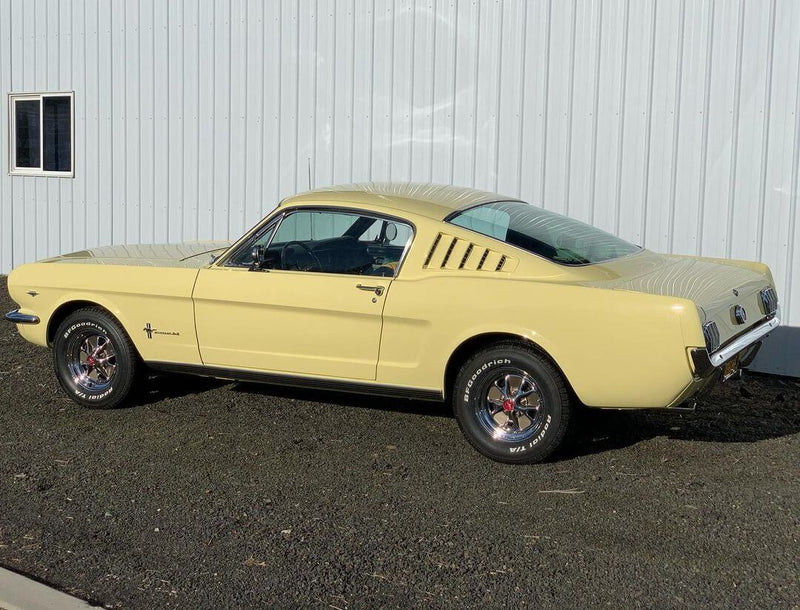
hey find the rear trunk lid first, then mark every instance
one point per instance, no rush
(719, 289)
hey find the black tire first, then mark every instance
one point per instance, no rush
(525, 424)
(102, 381)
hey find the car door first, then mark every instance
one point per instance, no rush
(311, 306)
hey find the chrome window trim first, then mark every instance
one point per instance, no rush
(285, 212)
(452, 215)
(250, 238)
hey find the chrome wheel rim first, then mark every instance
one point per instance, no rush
(512, 409)
(92, 361)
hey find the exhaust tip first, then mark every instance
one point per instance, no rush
(686, 407)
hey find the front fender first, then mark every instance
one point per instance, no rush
(137, 296)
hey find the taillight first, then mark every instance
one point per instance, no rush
(711, 333)
(769, 301)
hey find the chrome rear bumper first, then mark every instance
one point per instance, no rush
(21, 318)
(739, 343)
(704, 362)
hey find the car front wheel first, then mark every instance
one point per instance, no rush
(94, 359)
(512, 404)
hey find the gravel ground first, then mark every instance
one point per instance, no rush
(219, 495)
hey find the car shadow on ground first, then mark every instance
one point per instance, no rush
(346, 399)
(752, 409)
(166, 386)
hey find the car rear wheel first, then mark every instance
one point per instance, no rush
(94, 359)
(512, 404)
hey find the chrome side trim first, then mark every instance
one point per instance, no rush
(299, 381)
(737, 345)
(21, 318)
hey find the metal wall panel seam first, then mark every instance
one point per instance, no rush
(765, 135)
(245, 130)
(546, 101)
(701, 204)
(676, 125)
(646, 155)
(431, 101)
(230, 117)
(411, 93)
(262, 145)
(595, 118)
(198, 138)
(297, 103)
(279, 106)
(6, 183)
(570, 110)
(454, 99)
(735, 130)
(333, 98)
(623, 87)
(390, 122)
(475, 94)
(524, 53)
(371, 92)
(66, 83)
(794, 201)
(110, 185)
(499, 71)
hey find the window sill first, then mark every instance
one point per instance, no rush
(41, 174)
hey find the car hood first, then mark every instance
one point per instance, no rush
(194, 254)
(715, 286)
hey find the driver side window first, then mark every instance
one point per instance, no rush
(338, 242)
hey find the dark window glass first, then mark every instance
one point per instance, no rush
(331, 242)
(27, 137)
(553, 236)
(56, 137)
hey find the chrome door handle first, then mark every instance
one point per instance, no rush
(376, 289)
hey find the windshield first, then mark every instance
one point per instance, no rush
(547, 234)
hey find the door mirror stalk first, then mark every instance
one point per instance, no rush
(257, 254)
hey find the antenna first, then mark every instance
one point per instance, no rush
(309, 174)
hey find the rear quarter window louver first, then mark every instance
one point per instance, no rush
(466, 256)
(450, 253)
(483, 259)
(432, 250)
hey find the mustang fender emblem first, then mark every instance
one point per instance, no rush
(152, 331)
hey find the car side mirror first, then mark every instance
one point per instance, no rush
(257, 254)
(391, 232)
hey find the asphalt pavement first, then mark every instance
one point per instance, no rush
(219, 495)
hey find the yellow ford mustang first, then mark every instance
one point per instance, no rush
(514, 313)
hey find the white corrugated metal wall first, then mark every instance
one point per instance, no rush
(674, 123)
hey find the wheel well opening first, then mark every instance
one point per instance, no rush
(62, 312)
(474, 344)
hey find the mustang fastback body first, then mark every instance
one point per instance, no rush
(637, 330)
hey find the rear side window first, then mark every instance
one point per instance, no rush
(555, 237)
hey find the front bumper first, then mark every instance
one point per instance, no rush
(705, 363)
(21, 318)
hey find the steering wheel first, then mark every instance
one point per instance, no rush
(305, 247)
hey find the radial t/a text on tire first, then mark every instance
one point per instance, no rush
(94, 359)
(511, 403)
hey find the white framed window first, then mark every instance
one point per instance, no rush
(41, 134)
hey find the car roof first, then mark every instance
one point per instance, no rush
(435, 201)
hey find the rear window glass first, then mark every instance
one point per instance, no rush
(555, 237)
